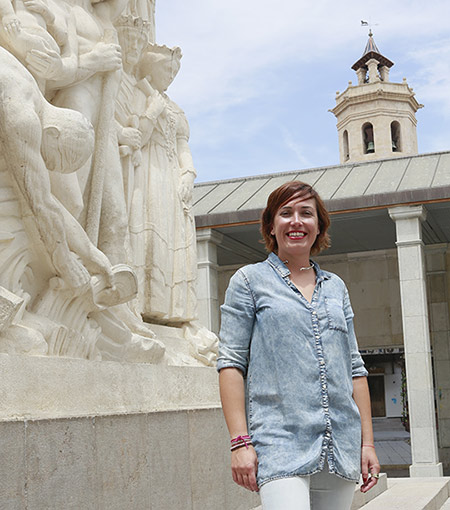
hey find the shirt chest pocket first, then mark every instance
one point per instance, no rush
(335, 315)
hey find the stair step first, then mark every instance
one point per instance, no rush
(446, 505)
(360, 499)
(412, 494)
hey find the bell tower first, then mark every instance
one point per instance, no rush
(375, 118)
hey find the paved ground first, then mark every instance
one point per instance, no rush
(393, 446)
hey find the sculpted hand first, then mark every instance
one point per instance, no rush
(155, 105)
(47, 65)
(106, 57)
(186, 188)
(11, 24)
(131, 137)
(244, 466)
(369, 467)
(41, 8)
(98, 263)
(71, 270)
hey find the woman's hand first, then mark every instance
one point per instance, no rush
(369, 467)
(244, 466)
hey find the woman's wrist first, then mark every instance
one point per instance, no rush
(240, 441)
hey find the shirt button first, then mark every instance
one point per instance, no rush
(314, 312)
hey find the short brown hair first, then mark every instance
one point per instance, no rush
(282, 195)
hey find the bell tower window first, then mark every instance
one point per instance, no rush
(368, 140)
(345, 145)
(395, 136)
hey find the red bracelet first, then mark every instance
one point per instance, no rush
(367, 446)
(239, 441)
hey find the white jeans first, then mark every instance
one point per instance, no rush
(322, 491)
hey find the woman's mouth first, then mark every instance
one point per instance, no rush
(296, 235)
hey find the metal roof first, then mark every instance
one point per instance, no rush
(371, 51)
(381, 183)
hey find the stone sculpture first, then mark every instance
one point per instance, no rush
(96, 178)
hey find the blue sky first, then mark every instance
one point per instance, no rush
(258, 77)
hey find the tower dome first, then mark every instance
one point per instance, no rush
(375, 118)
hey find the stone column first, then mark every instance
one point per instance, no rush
(207, 279)
(411, 263)
(372, 64)
(361, 74)
(384, 73)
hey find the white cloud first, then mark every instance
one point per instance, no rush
(292, 143)
(432, 79)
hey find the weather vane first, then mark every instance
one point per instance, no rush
(368, 24)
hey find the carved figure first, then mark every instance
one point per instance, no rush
(98, 195)
(170, 242)
(98, 177)
(133, 132)
(66, 138)
(41, 35)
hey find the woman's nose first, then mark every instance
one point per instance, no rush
(296, 218)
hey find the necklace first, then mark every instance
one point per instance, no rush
(301, 268)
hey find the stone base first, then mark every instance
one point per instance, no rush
(92, 435)
(34, 388)
(425, 470)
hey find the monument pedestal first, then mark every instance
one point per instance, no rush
(87, 434)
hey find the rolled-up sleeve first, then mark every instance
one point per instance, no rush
(237, 319)
(358, 368)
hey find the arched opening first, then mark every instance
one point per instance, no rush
(345, 145)
(368, 140)
(395, 136)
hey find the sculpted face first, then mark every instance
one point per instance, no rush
(160, 68)
(132, 43)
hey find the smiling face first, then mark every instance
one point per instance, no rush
(296, 227)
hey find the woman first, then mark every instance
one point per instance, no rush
(293, 385)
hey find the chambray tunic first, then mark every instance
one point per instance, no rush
(298, 360)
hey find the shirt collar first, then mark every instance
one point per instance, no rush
(281, 267)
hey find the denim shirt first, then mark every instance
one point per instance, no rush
(298, 360)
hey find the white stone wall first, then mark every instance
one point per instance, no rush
(438, 280)
(372, 281)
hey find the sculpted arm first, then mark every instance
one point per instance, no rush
(186, 163)
(69, 58)
(22, 136)
(30, 175)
